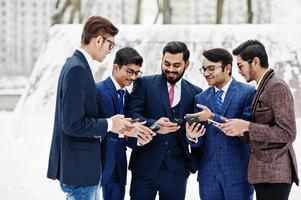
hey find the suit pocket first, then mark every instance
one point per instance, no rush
(85, 145)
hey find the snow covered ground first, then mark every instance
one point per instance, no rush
(24, 148)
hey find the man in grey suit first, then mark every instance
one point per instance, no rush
(272, 130)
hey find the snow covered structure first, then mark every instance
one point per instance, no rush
(282, 42)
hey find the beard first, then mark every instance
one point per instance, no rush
(172, 80)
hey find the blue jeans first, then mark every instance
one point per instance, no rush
(81, 193)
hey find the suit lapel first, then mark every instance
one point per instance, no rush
(83, 59)
(212, 99)
(260, 88)
(111, 87)
(185, 95)
(231, 92)
(164, 96)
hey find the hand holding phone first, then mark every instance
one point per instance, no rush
(133, 120)
(192, 119)
(177, 121)
(155, 127)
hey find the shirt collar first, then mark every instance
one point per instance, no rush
(177, 84)
(87, 56)
(257, 85)
(117, 86)
(226, 87)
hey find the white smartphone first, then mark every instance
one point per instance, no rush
(215, 123)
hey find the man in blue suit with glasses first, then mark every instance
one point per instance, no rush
(222, 160)
(114, 97)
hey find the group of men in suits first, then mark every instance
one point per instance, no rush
(90, 135)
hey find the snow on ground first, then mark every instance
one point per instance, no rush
(24, 149)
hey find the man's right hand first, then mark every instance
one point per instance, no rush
(204, 115)
(167, 126)
(120, 124)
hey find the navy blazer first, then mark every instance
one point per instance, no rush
(75, 154)
(217, 149)
(149, 101)
(114, 148)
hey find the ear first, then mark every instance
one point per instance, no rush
(257, 61)
(228, 68)
(187, 64)
(115, 68)
(99, 39)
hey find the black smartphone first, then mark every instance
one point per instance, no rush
(191, 119)
(155, 127)
(177, 120)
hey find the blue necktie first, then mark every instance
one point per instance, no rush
(120, 101)
(219, 100)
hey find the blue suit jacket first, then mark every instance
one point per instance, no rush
(149, 101)
(215, 148)
(114, 148)
(75, 154)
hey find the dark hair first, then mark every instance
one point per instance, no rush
(250, 49)
(219, 55)
(177, 47)
(127, 55)
(96, 26)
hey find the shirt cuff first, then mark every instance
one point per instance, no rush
(193, 140)
(110, 124)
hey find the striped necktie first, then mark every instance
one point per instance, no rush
(219, 100)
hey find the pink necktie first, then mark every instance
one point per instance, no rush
(171, 94)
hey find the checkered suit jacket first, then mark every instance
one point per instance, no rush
(272, 133)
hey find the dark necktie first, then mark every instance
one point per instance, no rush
(120, 100)
(219, 100)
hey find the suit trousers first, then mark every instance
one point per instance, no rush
(272, 191)
(113, 189)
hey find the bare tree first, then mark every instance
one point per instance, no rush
(75, 6)
(219, 11)
(164, 8)
(250, 12)
(138, 12)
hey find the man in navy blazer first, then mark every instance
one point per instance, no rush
(164, 164)
(223, 160)
(79, 125)
(114, 96)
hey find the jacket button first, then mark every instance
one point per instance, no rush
(166, 143)
(252, 150)
(219, 148)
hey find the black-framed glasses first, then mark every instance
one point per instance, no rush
(210, 69)
(112, 43)
(131, 72)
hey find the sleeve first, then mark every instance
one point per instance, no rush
(282, 128)
(75, 121)
(136, 103)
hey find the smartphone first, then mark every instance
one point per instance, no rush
(192, 119)
(155, 127)
(177, 120)
(215, 123)
(134, 120)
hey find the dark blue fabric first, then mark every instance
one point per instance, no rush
(217, 152)
(114, 148)
(75, 154)
(219, 100)
(149, 101)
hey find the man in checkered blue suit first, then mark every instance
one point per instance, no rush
(222, 160)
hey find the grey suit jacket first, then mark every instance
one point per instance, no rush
(272, 132)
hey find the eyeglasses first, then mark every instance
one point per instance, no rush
(210, 69)
(131, 72)
(112, 43)
(240, 65)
